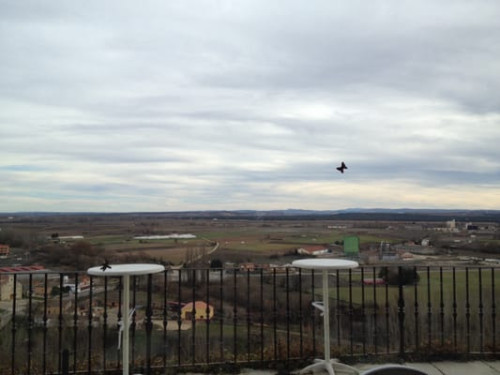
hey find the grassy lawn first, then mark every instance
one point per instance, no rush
(258, 247)
(430, 287)
(107, 239)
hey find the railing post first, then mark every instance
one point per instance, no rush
(467, 309)
(193, 316)
(351, 314)
(60, 320)
(455, 314)
(481, 312)
(149, 322)
(493, 311)
(14, 326)
(401, 314)
(375, 308)
(416, 312)
(65, 362)
(207, 316)
(30, 322)
(89, 322)
(235, 317)
(312, 316)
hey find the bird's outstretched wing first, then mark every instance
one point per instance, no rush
(105, 265)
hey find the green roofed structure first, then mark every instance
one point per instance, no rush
(351, 246)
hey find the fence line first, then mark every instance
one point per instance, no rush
(203, 317)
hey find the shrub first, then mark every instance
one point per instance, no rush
(399, 275)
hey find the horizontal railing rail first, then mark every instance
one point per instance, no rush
(69, 322)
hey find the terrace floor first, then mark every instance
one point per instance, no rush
(431, 368)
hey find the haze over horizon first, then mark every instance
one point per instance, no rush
(222, 105)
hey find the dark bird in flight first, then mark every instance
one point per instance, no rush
(105, 265)
(342, 167)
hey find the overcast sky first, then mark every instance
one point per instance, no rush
(251, 104)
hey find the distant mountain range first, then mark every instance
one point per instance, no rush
(388, 214)
(400, 214)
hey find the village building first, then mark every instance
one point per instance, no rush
(7, 284)
(7, 288)
(247, 267)
(4, 250)
(202, 311)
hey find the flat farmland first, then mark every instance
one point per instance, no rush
(239, 240)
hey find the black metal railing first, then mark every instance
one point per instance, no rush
(68, 322)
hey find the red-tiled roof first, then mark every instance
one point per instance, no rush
(22, 269)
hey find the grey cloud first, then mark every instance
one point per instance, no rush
(200, 104)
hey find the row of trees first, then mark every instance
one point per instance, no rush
(20, 238)
(78, 256)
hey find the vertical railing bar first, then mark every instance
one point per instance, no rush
(262, 314)
(313, 315)
(301, 316)
(75, 323)
(179, 320)
(481, 312)
(248, 315)
(193, 317)
(429, 309)
(89, 325)
(60, 322)
(351, 315)
(207, 315)
(149, 322)
(467, 309)
(363, 312)
(45, 319)
(119, 316)
(165, 319)
(235, 317)
(221, 315)
(287, 313)
(416, 314)
(441, 305)
(454, 309)
(375, 311)
(65, 362)
(275, 338)
(493, 311)
(401, 314)
(13, 327)
(338, 314)
(126, 362)
(386, 318)
(30, 322)
(132, 321)
(105, 324)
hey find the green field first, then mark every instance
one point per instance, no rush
(430, 288)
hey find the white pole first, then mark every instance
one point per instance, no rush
(126, 322)
(326, 316)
